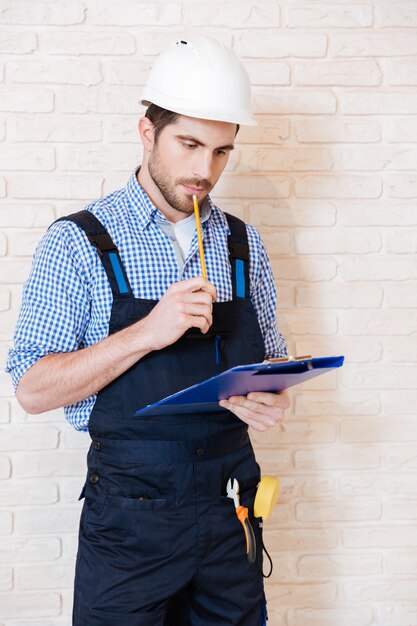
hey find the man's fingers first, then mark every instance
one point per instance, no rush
(197, 313)
(253, 420)
(196, 297)
(195, 284)
(201, 323)
(209, 288)
(253, 406)
(201, 310)
(258, 415)
(280, 400)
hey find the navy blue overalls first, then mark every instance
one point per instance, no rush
(160, 543)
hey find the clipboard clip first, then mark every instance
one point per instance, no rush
(287, 359)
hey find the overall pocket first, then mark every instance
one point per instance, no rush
(141, 502)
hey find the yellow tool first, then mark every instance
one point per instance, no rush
(266, 496)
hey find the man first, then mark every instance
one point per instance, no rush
(116, 316)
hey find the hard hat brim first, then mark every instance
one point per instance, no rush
(244, 118)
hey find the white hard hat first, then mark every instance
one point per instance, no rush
(200, 77)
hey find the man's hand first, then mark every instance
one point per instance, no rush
(65, 378)
(186, 304)
(259, 409)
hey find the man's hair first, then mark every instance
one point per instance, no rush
(162, 117)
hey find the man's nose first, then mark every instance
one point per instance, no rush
(203, 166)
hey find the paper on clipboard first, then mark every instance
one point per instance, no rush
(241, 380)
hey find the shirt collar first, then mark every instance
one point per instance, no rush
(143, 209)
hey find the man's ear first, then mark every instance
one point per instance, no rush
(147, 133)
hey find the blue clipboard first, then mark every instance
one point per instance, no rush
(241, 380)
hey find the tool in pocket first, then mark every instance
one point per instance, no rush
(243, 516)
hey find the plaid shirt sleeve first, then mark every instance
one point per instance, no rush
(55, 305)
(264, 296)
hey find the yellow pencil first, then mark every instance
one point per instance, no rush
(200, 238)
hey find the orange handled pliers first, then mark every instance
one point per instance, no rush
(242, 514)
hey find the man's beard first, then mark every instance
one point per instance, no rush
(168, 189)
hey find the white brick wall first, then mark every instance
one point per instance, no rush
(330, 178)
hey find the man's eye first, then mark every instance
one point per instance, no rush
(190, 146)
(220, 152)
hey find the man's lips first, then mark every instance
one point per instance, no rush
(194, 190)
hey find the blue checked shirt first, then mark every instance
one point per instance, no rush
(67, 298)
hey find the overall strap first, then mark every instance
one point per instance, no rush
(116, 274)
(239, 256)
(107, 250)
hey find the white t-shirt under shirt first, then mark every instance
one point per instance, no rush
(184, 232)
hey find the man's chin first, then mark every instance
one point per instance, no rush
(187, 204)
(186, 207)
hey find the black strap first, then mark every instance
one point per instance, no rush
(107, 250)
(239, 256)
(119, 282)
